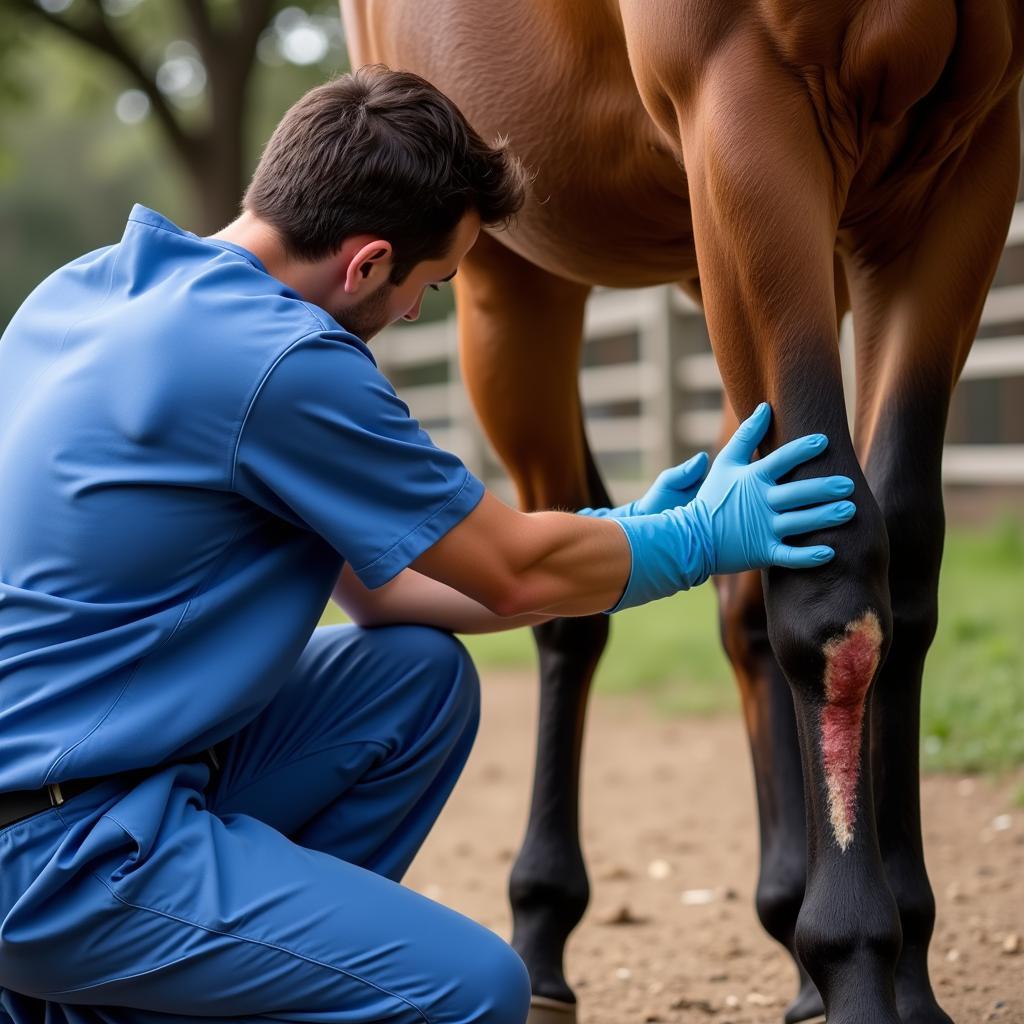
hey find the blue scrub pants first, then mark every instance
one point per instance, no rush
(275, 895)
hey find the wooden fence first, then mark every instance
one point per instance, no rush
(652, 392)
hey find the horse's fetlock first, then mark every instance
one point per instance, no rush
(565, 893)
(780, 894)
(823, 942)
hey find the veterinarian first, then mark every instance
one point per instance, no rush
(206, 802)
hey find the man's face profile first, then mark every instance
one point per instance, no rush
(389, 302)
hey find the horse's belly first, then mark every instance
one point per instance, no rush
(609, 203)
(616, 245)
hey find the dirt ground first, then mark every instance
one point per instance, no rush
(669, 831)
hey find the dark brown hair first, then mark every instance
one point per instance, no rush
(380, 152)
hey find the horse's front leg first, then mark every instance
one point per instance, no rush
(916, 311)
(765, 192)
(774, 749)
(520, 335)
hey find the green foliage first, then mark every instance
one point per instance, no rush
(973, 700)
(70, 170)
(12, 41)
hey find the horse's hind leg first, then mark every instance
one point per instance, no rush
(916, 316)
(520, 332)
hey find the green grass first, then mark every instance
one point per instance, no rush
(973, 703)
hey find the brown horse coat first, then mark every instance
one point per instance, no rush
(783, 162)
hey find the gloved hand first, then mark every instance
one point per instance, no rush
(674, 486)
(737, 519)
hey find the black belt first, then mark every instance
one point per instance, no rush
(17, 804)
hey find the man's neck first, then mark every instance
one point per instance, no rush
(263, 241)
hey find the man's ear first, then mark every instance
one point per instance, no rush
(368, 267)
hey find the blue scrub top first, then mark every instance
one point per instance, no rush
(189, 452)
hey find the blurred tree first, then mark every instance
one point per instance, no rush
(80, 141)
(188, 63)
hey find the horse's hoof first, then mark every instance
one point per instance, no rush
(551, 1011)
(807, 1008)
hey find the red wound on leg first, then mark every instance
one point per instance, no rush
(850, 664)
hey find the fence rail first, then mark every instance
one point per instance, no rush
(665, 400)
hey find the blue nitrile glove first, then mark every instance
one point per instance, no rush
(737, 519)
(674, 486)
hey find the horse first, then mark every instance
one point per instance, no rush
(783, 163)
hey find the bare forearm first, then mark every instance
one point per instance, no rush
(556, 563)
(580, 565)
(413, 597)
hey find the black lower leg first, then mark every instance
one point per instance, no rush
(830, 631)
(911, 500)
(548, 887)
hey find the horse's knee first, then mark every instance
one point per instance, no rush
(916, 538)
(838, 634)
(914, 518)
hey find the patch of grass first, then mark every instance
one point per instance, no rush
(973, 702)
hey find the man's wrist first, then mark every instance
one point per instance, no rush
(632, 567)
(699, 518)
(671, 551)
